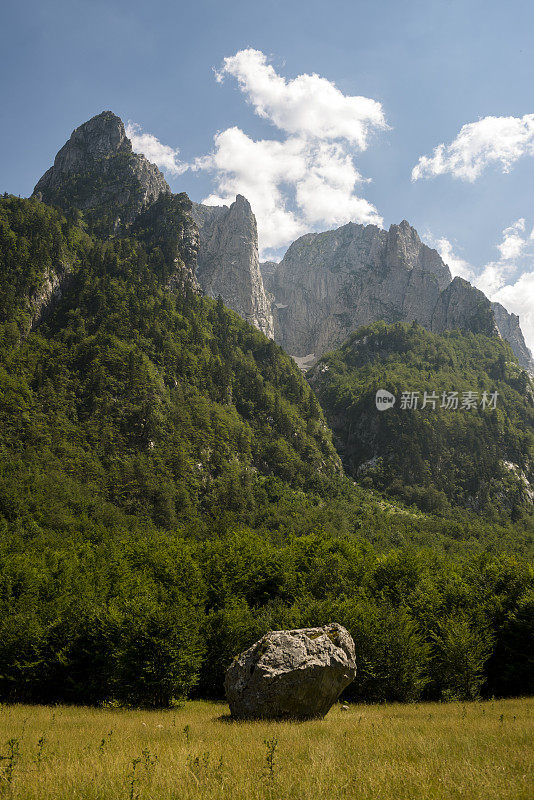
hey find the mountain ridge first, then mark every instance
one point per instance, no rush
(97, 173)
(330, 283)
(448, 450)
(228, 263)
(327, 284)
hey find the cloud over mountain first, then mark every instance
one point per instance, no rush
(499, 141)
(307, 176)
(308, 105)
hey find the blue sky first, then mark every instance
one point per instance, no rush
(426, 68)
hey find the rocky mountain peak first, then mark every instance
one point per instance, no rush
(461, 305)
(510, 330)
(97, 172)
(406, 251)
(330, 283)
(118, 191)
(100, 137)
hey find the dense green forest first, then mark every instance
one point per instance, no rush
(441, 455)
(143, 616)
(159, 400)
(169, 491)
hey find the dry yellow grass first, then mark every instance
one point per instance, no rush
(482, 751)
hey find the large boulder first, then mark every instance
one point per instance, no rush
(295, 674)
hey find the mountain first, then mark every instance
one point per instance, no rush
(510, 330)
(97, 172)
(444, 452)
(122, 216)
(328, 284)
(228, 263)
(463, 307)
(325, 287)
(267, 269)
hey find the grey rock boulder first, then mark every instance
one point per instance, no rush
(295, 674)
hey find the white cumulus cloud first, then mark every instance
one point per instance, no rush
(164, 156)
(308, 105)
(514, 248)
(258, 169)
(499, 141)
(301, 180)
(513, 241)
(307, 177)
(325, 194)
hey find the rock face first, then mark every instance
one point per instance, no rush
(294, 674)
(44, 299)
(120, 192)
(267, 269)
(328, 284)
(510, 330)
(228, 263)
(214, 249)
(463, 306)
(97, 172)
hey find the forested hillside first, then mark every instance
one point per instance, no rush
(158, 400)
(469, 444)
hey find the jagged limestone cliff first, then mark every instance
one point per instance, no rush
(463, 307)
(121, 192)
(228, 263)
(329, 284)
(510, 330)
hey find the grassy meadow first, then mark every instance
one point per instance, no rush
(381, 752)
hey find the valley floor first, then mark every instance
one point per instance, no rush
(381, 752)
